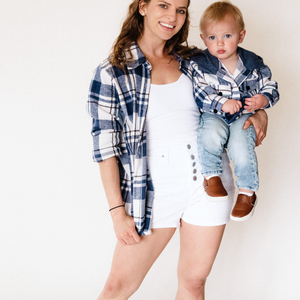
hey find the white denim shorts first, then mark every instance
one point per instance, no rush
(178, 188)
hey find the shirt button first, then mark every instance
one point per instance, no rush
(215, 111)
(194, 171)
(195, 178)
(194, 164)
(192, 157)
(189, 146)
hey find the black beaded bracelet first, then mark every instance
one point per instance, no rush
(117, 207)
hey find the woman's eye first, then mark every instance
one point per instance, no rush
(228, 36)
(212, 38)
(181, 11)
(163, 5)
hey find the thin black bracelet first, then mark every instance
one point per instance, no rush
(117, 207)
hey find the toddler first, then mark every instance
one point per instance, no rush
(233, 84)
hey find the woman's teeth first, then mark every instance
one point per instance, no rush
(166, 25)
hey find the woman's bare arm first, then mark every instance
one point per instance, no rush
(123, 224)
(260, 122)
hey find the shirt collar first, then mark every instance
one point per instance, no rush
(210, 64)
(238, 70)
(138, 58)
(250, 59)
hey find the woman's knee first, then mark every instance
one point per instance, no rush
(118, 289)
(193, 285)
(194, 282)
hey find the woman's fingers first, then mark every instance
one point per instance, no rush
(126, 232)
(260, 123)
(129, 239)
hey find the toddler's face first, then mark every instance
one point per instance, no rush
(222, 38)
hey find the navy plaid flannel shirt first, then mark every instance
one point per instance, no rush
(213, 86)
(118, 104)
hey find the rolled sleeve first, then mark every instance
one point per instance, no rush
(103, 107)
(268, 87)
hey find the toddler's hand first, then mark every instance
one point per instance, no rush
(256, 102)
(232, 106)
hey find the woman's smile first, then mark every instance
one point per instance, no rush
(163, 24)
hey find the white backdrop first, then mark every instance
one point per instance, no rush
(56, 238)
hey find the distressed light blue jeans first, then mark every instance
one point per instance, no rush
(214, 135)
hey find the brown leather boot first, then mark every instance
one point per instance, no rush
(214, 189)
(243, 208)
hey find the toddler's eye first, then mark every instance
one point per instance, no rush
(227, 36)
(212, 38)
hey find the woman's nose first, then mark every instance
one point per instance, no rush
(172, 14)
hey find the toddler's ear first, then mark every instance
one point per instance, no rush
(202, 37)
(242, 36)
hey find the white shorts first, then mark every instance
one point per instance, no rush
(179, 192)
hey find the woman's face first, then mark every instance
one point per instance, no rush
(163, 19)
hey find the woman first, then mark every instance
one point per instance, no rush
(149, 73)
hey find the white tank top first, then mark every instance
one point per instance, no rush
(173, 116)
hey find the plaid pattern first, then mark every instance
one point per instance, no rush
(118, 103)
(213, 86)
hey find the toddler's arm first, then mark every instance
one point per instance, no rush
(207, 98)
(267, 95)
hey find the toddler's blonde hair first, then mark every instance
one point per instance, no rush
(217, 12)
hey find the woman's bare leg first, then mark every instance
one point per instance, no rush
(199, 246)
(131, 263)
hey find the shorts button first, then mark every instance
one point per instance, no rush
(189, 146)
(192, 157)
(195, 178)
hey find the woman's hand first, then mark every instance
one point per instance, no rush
(124, 227)
(260, 122)
(123, 224)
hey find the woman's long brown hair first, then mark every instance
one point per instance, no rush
(132, 29)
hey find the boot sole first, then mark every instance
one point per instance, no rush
(247, 217)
